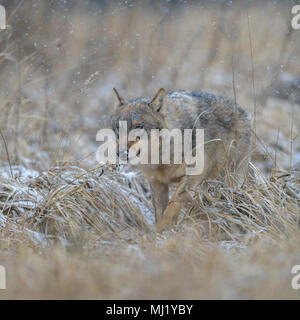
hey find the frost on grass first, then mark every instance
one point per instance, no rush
(65, 201)
(70, 200)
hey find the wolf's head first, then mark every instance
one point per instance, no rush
(142, 113)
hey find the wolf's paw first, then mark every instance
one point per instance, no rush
(168, 219)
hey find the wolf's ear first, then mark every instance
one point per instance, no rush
(118, 98)
(159, 100)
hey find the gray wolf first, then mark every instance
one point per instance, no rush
(227, 136)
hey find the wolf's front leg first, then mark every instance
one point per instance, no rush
(172, 210)
(160, 198)
(174, 206)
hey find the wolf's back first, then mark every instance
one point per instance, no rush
(217, 115)
(223, 121)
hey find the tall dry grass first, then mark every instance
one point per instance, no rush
(72, 229)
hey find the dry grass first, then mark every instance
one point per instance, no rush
(72, 229)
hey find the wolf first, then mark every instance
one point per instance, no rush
(227, 141)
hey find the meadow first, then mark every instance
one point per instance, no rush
(72, 229)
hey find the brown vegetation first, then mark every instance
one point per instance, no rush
(71, 229)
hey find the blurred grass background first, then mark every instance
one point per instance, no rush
(59, 61)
